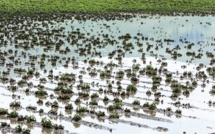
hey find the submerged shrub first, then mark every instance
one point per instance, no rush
(127, 110)
(82, 109)
(152, 106)
(136, 102)
(76, 117)
(94, 95)
(46, 123)
(41, 92)
(131, 88)
(105, 98)
(94, 102)
(30, 118)
(15, 104)
(4, 124)
(114, 115)
(100, 113)
(55, 104)
(68, 107)
(13, 114)
(115, 106)
(64, 97)
(3, 111)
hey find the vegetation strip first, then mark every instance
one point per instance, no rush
(105, 6)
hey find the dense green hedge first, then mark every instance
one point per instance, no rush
(104, 6)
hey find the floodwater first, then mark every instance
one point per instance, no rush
(66, 46)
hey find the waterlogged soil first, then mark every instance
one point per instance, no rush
(170, 61)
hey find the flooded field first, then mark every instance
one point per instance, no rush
(126, 74)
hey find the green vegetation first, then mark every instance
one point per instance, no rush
(30, 118)
(67, 77)
(94, 95)
(64, 97)
(15, 104)
(13, 114)
(151, 106)
(131, 88)
(4, 124)
(104, 6)
(105, 98)
(115, 106)
(127, 110)
(117, 100)
(55, 104)
(76, 117)
(41, 92)
(114, 115)
(68, 107)
(3, 111)
(100, 113)
(136, 102)
(93, 102)
(82, 109)
(18, 129)
(46, 123)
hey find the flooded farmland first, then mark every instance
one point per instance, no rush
(123, 74)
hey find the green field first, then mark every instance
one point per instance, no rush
(106, 6)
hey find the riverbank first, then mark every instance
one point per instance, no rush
(35, 7)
